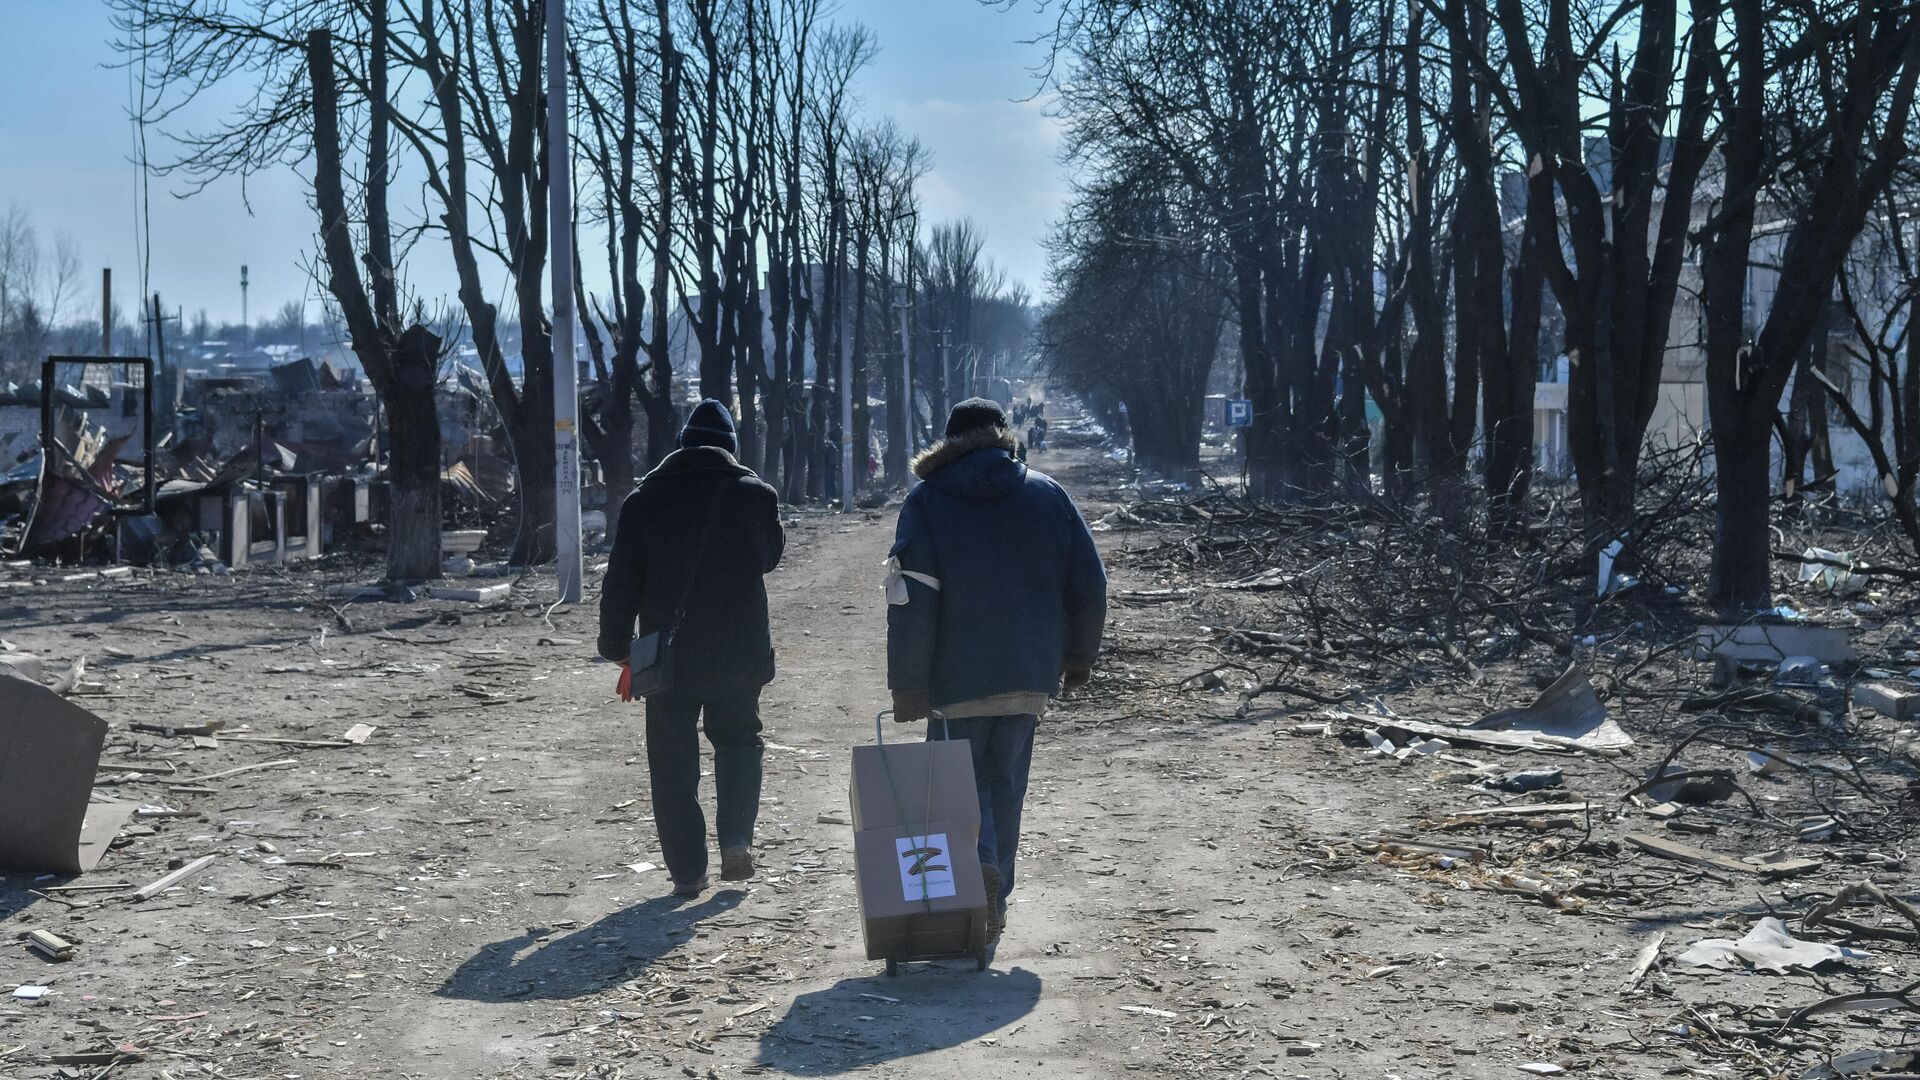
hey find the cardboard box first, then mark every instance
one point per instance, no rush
(49, 751)
(916, 822)
(921, 894)
(913, 782)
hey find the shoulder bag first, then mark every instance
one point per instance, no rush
(650, 658)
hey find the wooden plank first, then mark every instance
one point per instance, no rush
(1687, 853)
(311, 744)
(1644, 962)
(208, 728)
(1504, 740)
(230, 772)
(162, 884)
(483, 594)
(50, 945)
(1527, 810)
(160, 768)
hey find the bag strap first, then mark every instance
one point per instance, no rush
(699, 558)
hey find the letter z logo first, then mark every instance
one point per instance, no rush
(921, 857)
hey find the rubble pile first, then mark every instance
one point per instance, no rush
(1612, 754)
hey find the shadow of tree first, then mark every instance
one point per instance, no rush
(856, 1023)
(586, 961)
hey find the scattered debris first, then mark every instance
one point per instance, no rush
(1868, 1001)
(1520, 781)
(1887, 701)
(1766, 947)
(50, 946)
(1568, 709)
(1863, 1063)
(1644, 962)
(162, 884)
(1772, 643)
(1687, 853)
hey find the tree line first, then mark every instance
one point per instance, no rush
(727, 187)
(1412, 203)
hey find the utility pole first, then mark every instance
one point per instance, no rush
(106, 311)
(906, 382)
(246, 327)
(164, 398)
(846, 405)
(566, 374)
(946, 367)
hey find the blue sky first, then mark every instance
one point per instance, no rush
(954, 72)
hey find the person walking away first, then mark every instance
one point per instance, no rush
(695, 539)
(997, 600)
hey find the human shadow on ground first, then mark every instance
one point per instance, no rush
(585, 961)
(856, 1023)
(16, 895)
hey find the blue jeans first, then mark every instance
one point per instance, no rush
(673, 764)
(1002, 760)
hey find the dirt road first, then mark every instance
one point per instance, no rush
(468, 894)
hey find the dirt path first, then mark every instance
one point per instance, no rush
(458, 898)
(473, 911)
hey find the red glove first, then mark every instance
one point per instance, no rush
(624, 687)
(911, 705)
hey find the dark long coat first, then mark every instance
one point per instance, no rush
(725, 643)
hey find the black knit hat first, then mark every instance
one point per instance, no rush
(710, 425)
(973, 414)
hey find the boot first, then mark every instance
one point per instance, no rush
(996, 918)
(736, 864)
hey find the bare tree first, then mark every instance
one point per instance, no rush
(1814, 98)
(402, 365)
(284, 53)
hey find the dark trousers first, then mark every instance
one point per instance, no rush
(1002, 760)
(673, 762)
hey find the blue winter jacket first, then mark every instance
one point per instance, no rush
(1022, 596)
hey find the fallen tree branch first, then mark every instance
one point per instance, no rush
(1863, 891)
(1863, 569)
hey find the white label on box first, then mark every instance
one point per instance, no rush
(926, 867)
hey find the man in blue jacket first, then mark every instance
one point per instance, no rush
(996, 602)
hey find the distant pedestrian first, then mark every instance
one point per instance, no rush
(695, 538)
(1005, 600)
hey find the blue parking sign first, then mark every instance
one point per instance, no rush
(1239, 412)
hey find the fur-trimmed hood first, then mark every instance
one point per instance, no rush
(948, 451)
(976, 465)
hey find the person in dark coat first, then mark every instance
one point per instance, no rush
(723, 647)
(996, 602)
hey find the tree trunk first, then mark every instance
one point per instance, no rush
(1510, 383)
(413, 463)
(1742, 580)
(753, 362)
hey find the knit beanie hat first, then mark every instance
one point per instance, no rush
(710, 425)
(973, 414)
